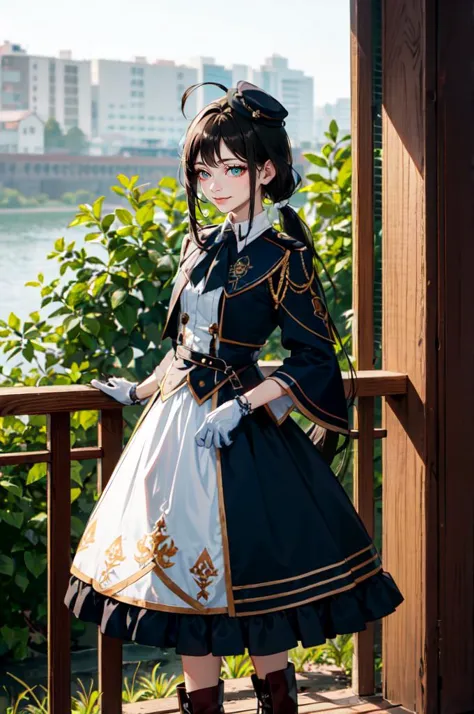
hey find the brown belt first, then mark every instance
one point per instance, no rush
(206, 360)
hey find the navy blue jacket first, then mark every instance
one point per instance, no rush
(272, 284)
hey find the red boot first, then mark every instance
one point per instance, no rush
(277, 693)
(209, 700)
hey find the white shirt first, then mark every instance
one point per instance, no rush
(260, 224)
(203, 307)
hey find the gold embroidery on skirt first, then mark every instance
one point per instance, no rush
(204, 571)
(114, 557)
(88, 537)
(158, 550)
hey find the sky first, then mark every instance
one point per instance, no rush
(313, 34)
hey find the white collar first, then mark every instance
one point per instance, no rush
(260, 224)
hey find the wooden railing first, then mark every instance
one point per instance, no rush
(57, 403)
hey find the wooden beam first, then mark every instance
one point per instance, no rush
(48, 400)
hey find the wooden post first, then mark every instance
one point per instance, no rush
(410, 299)
(109, 655)
(363, 676)
(59, 547)
(455, 155)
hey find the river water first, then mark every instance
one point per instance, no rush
(25, 241)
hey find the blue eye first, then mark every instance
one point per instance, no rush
(201, 172)
(236, 170)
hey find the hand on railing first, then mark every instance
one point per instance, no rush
(118, 388)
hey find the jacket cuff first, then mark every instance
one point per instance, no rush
(306, 406)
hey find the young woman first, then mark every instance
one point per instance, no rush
(223, 527)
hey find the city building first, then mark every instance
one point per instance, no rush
(138, 104)
(208, 71)
(340, 111)
(290, 86)
(57, 87)
(295, 91)
(21, 132)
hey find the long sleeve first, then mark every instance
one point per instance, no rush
(310, 374)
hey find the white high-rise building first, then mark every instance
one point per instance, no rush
(208, 71)
(295, 91)
(138, 103)
(57, 87)
(290, 86)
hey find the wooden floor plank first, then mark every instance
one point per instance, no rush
(239, 699)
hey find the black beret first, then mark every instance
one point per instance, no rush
(253, 103)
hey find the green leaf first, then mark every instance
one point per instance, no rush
(125, 231)
(98, 284)
(333, 129)
(14, 321)
(123, 180)
(145, 214)
(35, 316)
(35, 562)
(107, 222)
(92, 325)
(127, 316)
(13, 518)
(77, 294)
(118, 297)
(39, 518)
(28, 351)
(317, 160)
(13, 488)
(97, 207)
(87, 419)
(126, 357)
(149, 195)
(37, 472)
(59, 244)
(79, 221)
(149, 292)
(22, 581)
(345, 173)
(124, 216)
(168, 182)
(92, 236)
(7, 566)
(119, 191)
(75, 493)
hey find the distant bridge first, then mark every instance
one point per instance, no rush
(55, 174)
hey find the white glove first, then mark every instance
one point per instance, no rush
(217, 425)
(118, 388)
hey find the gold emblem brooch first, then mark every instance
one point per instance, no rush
(239, 269)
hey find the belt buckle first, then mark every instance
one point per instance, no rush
(233, 378)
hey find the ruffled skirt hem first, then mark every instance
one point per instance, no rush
(198, 635)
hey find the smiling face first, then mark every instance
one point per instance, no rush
(227, 184)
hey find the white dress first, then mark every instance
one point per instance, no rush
(154, 538)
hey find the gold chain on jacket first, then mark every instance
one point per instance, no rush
(279, 294)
